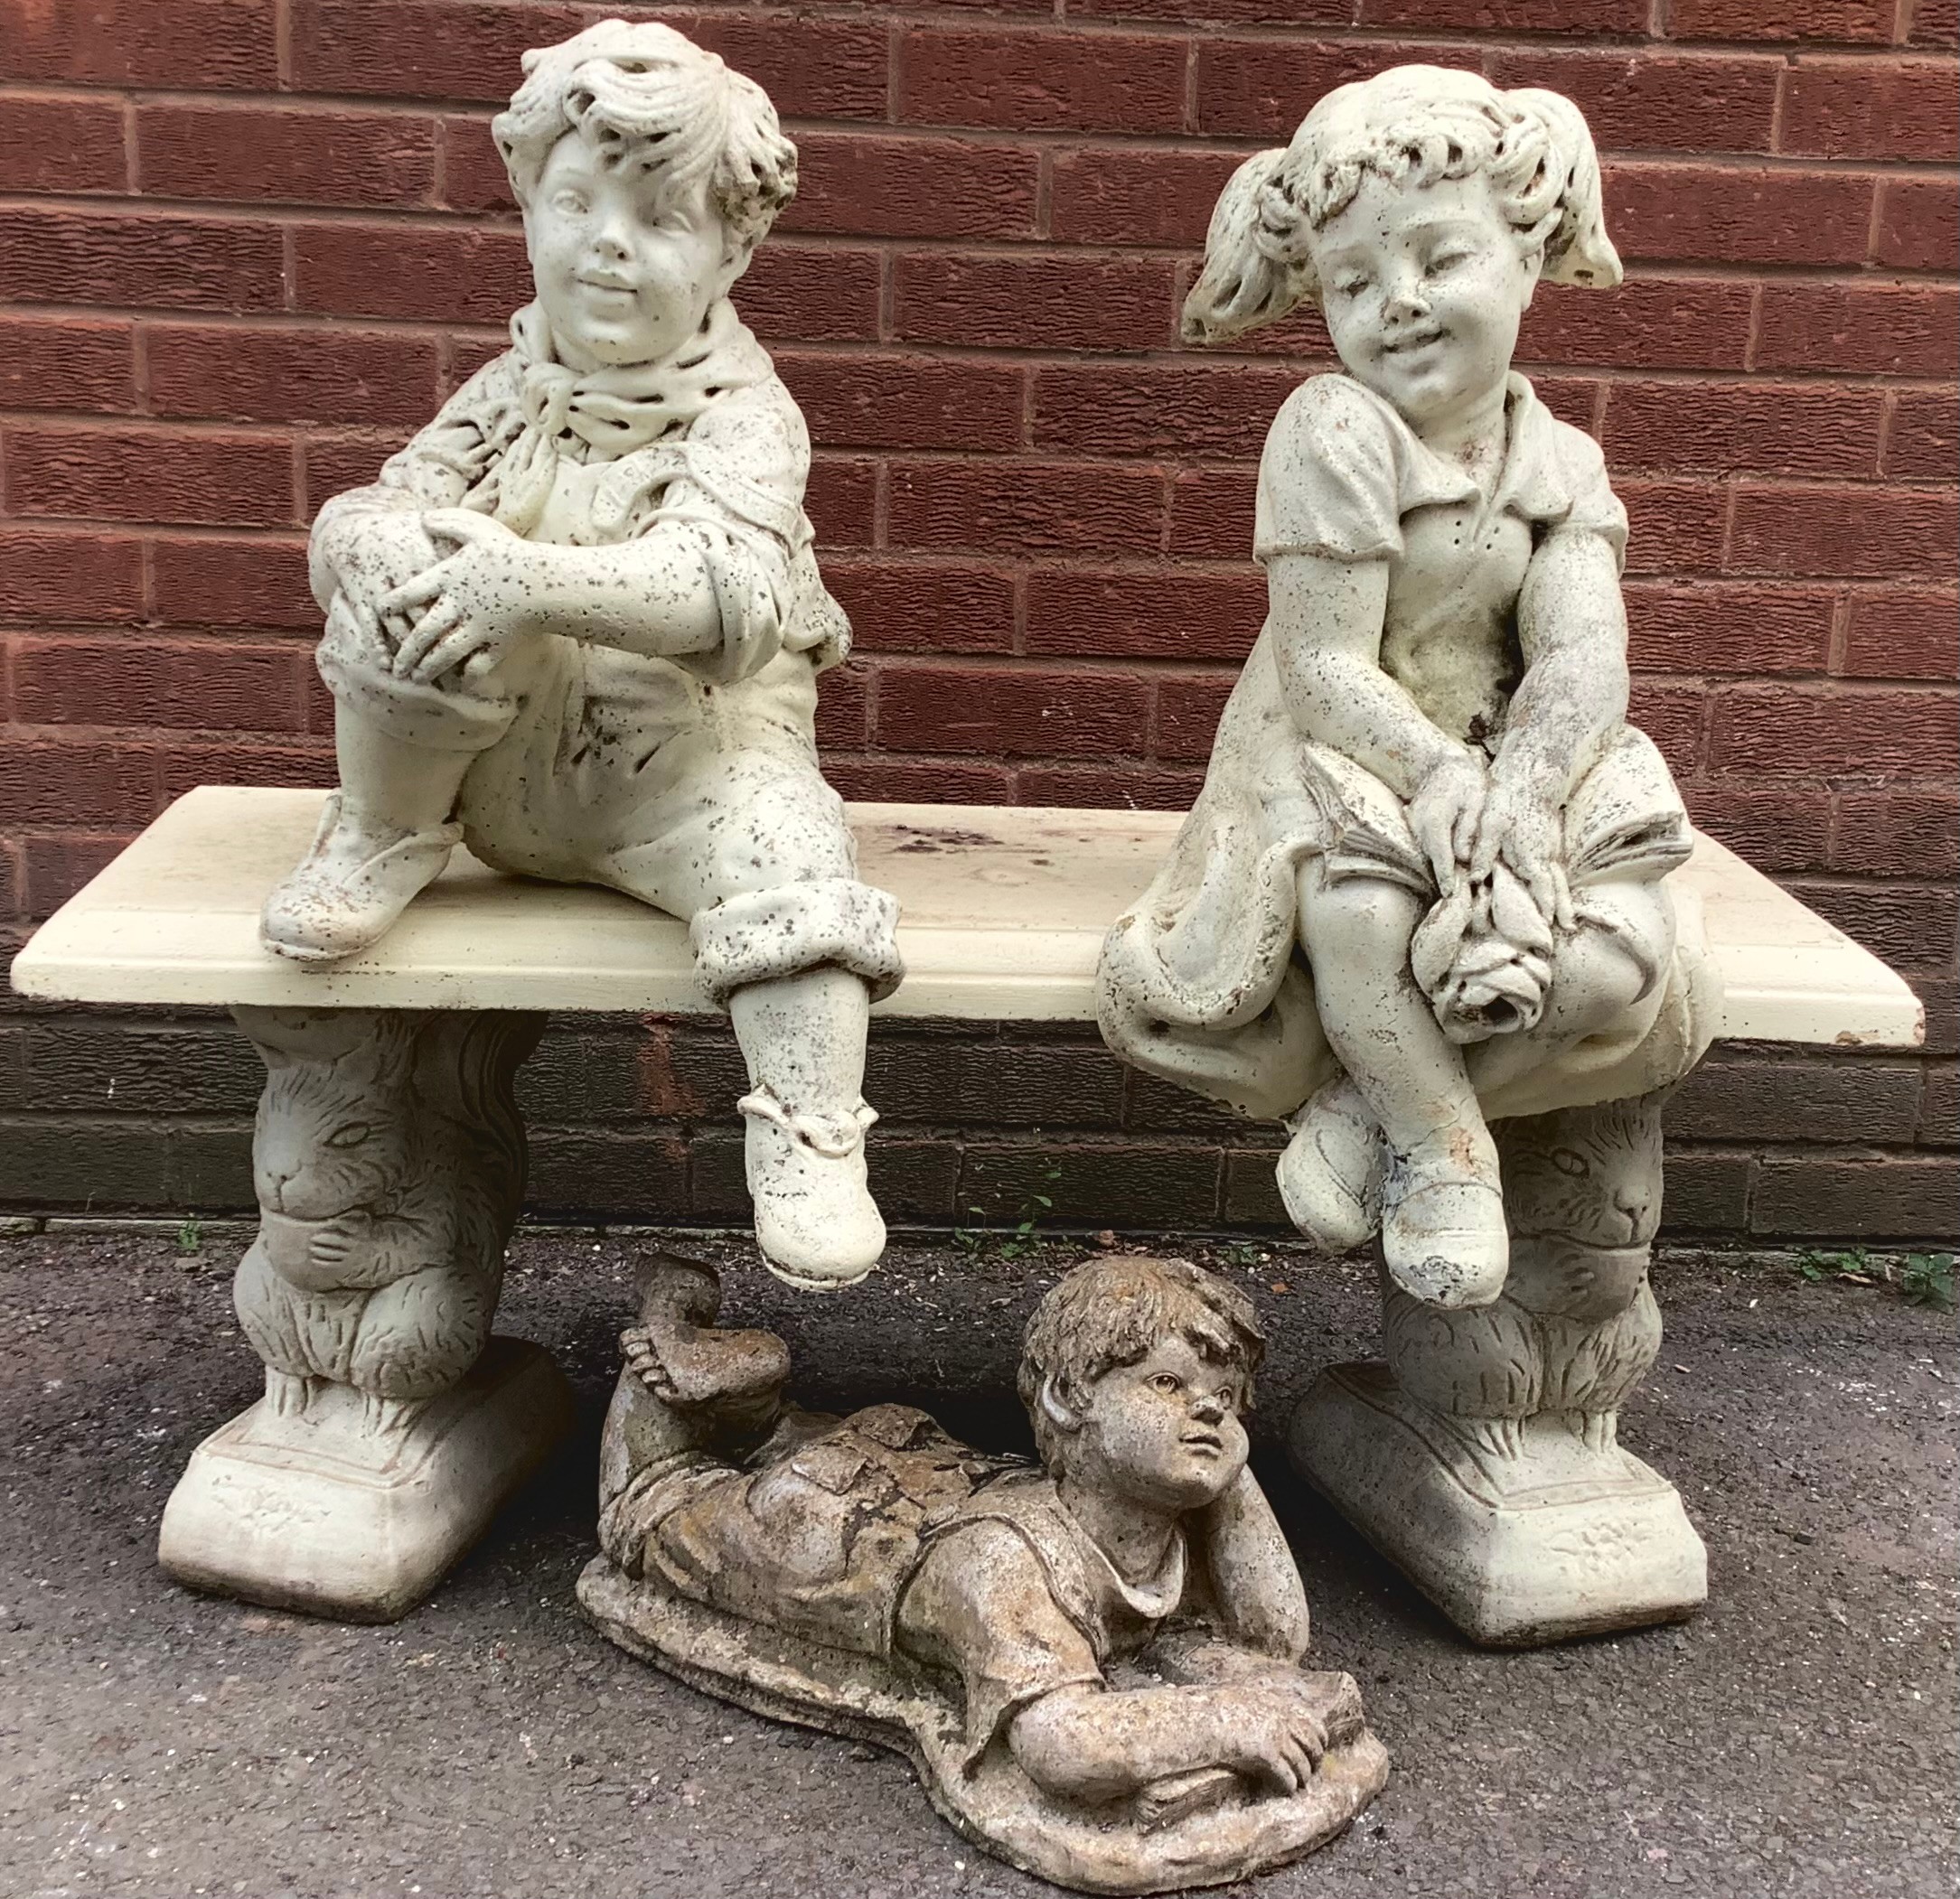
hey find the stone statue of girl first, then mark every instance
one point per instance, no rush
(1423, 886)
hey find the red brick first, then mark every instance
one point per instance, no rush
(216, 43)
(900, 606)
(1150, 613)
(1919, 224)
(857, 184)
(157, 259)
(1794, 428)
(1017, 712)
(48, 573)
(1935, 22)
(288, 153)
(1211, 512)
(154, 476)
(66, 362)
(1262, 87)
(1147, 409)
(1134, 195)
(13, 889)
(1047, 507)
(58, 865)
(1675, 718)
(879, 778)
(1033, 301)
(807, 294)
(1502, 16)
(1870, 328)
(1853, 21)
(1854, 1197)
(1650, 323)
(1923, 437)
(1904, 923)
(332, 464)
(1654, 101)
(421, 49)
(466, 354)
(1231, 12)
(128, 681)
(1870, 108)
(1778, 828)
(1680, 213)
(268, 374)
(53, 783)
(423, 273)
(1041, 80)
(1112, 787)
(1903, 633)
(863, 401)
(841, 501)
(471, 167)
(223, 582)
(1800, 732)
(843, 707)
(1720, 627)
(186, 764)
(1903, 831)
(1677, 526)
(810, 67)
(1188, 706)
(1867, 532)
(61, 145)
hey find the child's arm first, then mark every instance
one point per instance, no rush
(1256, 1591)
(1325, 622)
(1573, 629)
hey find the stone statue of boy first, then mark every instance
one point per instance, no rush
(578, 622)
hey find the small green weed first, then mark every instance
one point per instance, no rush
(1927, 1279)
(1919, 1278)
(1017, 1241)
(190, 1236)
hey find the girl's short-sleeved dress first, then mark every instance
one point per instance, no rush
(1201, 981)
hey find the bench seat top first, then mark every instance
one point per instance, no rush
(1003, 911)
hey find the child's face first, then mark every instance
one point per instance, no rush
(626, 266)
(1166, 1431)
(1423, 289)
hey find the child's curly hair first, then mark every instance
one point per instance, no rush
(1412, 125)
(649, 95)
(1113, 1311)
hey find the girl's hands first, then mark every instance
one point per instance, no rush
(467, 609)
(1444, 812)
(1524, 828)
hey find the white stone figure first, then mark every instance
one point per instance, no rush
(578, 622)
(1422, 887)
(1094, 1664)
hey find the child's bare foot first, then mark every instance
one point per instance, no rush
(1443, 1232)
(1330, 1175)
(676, 1351)
(355, 882)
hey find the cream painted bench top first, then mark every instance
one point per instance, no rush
(1003, 911)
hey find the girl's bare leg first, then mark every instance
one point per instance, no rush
(1443, 1232)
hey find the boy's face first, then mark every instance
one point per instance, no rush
(1422, 289)
(1166, 1431)
(626, 265)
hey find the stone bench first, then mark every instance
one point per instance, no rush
(324, 1504)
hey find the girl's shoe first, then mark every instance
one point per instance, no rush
(1330, 1175)
(351, 888)
(815, 1220)
(1443, 1233)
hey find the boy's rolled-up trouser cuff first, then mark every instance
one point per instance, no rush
(762, 935)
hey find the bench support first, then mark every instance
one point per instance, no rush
(389, 1161)
(1483, 1457)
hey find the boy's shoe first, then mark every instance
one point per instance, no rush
(815, 1220)
(351, 888)
(1443, 1234)
(1330, 1175)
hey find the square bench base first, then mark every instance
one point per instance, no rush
(1550, 1540)
(324, 1515)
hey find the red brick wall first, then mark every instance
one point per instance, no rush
(246, 245)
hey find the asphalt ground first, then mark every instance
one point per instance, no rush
(1796, 1738)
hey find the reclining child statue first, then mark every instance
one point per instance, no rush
(1424, 889)
(578, 622)
(1094, 1665)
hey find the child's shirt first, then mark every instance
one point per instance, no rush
(1345, 478)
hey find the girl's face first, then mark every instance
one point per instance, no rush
(626, 266)
(1423, 288)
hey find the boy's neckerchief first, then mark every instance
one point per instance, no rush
(601, 415)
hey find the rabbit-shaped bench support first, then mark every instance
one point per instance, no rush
(389, 1161)
(1484, 1457)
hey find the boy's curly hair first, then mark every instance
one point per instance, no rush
(649, 95)
(1113, 1311)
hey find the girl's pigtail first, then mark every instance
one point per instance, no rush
(1255, 255)
(1577, 248)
